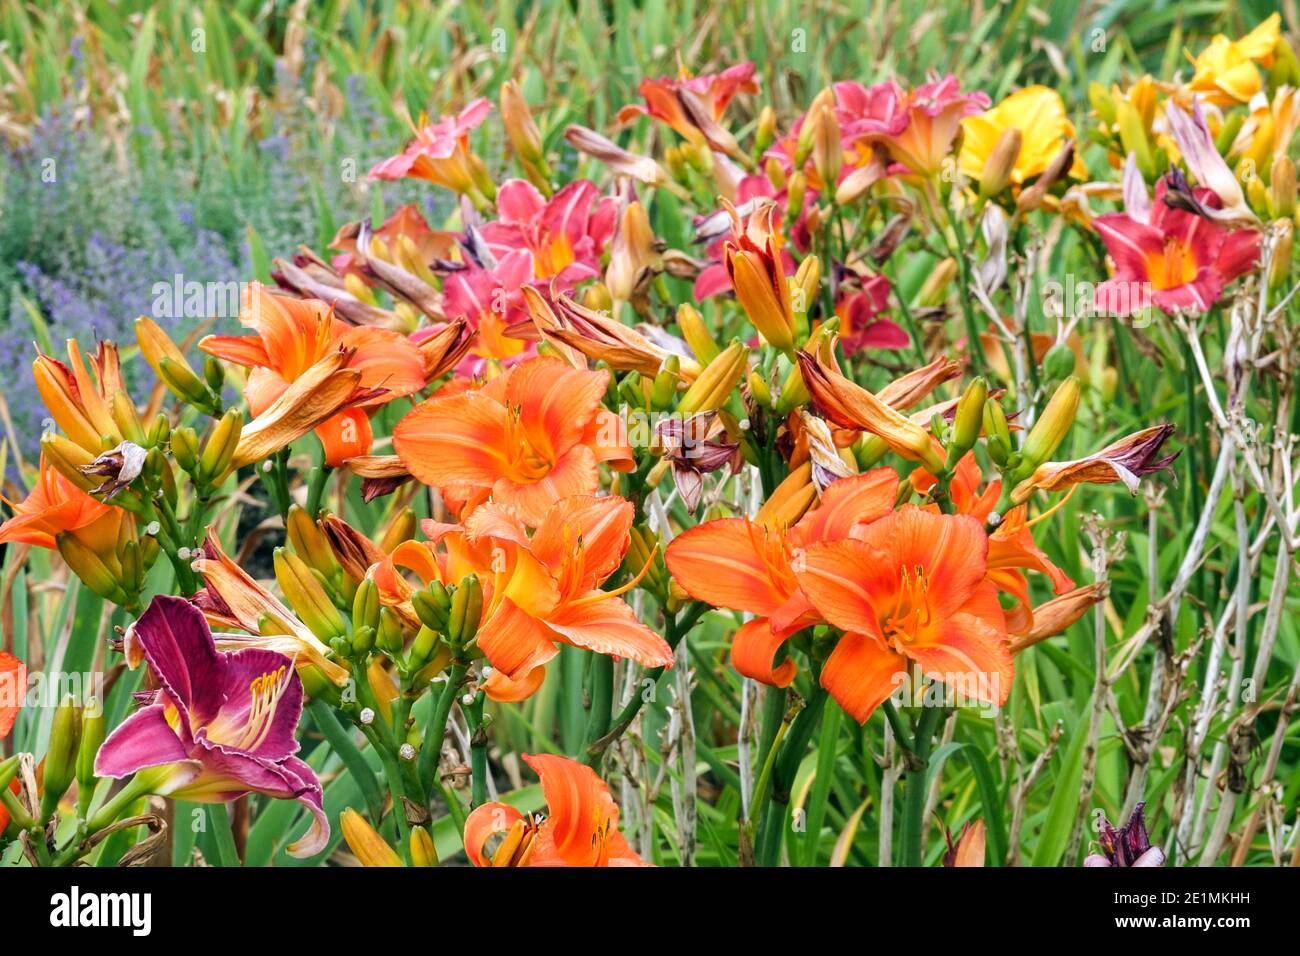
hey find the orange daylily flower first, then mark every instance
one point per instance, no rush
(749, 566)
(83, 405)
(911, 587)
(580, 828)
(1012, 548)
(55, 505)
(13, 688)
(293, 335)
(545, 590)
(531, 436)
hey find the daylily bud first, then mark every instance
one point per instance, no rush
(219, 449)
(1031, 198)
(997, 170)
(1133, 136)
(483, 183)
(466, 609)
(775, 172)
(310, 543)
(644, 546)
(597, 297)
(92, 569)
(714, 385)
(165, 358)
(795, 192)
(185, 448)
(665, 384)
(365, 605)
(94, 728)
(1102, 102)
(1280, 268)
(1232, 124)
(68, 459)
(1285, 70)
(813, 220)
(635, 254)
(389, 638)
(759, 389)
(996, 433)
(790, 499)
(765, 132)
(808, 131)
(61, 757)
(1282, 188)
(433, 606)
(676, 161)
(1049, 431)
(127, 419)
(969, 418)
(1059, 362)
(307, 597)
(520, 129)
(696, 333)
(934, 290)
(363, 640)
(828, 154)
(1056, 615)
(160, 430)
(807, 279)
(423, 852)
(401, 528)
(366, 845)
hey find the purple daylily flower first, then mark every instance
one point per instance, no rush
(221, 724)
(1128, 845)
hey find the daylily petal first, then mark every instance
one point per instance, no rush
(753, 650)
(732, 563)
(862, 673)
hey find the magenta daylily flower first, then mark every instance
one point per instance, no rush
(1176, 260)
(864, 326)
(220, 725)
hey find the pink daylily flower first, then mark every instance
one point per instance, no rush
(537, 242)
(220, 725)
(1176, 260)
(439, 152)
(934, 111)
(562, 238)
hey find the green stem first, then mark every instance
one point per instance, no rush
(674, 631)
(914, 794)
(339, 738)
(800, 730)
(478, 756)
(222, 836)
(600, 691)
(437, 729)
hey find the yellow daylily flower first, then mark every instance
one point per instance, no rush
(1038, 112)
(1226, 71)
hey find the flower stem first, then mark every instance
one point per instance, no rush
(914, 793)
